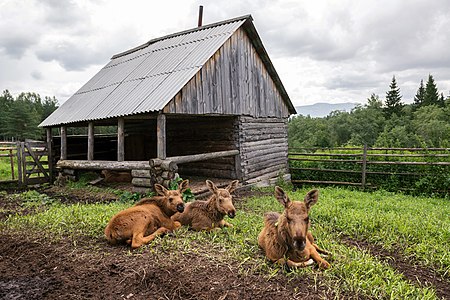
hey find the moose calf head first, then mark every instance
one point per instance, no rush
(224, 202)
(173, 198)
(294, 222)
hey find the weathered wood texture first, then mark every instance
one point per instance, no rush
(120, 139)
(263, 148)
(103, 165)
(63, 142)
(90, 154)
(233, 82)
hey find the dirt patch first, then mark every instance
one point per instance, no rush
(36, 268)
(410, 269)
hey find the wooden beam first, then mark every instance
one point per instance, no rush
(63, 142)
(120, 139)
(90, 154)
(161, 136)
(104, 165)
(203, 156)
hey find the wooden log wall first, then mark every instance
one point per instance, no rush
(263, 149)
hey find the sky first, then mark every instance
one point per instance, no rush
(323, 51)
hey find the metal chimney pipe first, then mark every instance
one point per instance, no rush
(200, 15)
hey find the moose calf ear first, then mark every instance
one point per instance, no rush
(232, 186)
(311, 198)
(281, 196)
(160, 190)
(212, 187)
(183, 186)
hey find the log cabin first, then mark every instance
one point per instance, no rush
(202, 102)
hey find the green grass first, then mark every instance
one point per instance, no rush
(417, 227)
(5, 168)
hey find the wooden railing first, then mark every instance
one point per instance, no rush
(363, 162)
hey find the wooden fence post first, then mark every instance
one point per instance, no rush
(50, 153)
(364, 167)
(24, 163)
(19, 164)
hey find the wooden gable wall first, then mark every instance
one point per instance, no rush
(233, 82)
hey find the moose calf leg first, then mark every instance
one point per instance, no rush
(224, 223)
(293, 264)
(310, 237)
(140, 240)
(323, 264)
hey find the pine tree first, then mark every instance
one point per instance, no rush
(420, 95)
(431, 92)
(393, 104)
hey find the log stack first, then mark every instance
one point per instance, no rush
(161, 172)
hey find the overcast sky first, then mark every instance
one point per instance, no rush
(323, 51)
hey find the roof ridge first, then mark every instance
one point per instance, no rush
(152, 41)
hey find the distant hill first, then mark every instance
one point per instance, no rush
(323, 109)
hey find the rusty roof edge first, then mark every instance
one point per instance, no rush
(245, 17)
(250, 28)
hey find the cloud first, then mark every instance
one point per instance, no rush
(37, 75)
(72, 56)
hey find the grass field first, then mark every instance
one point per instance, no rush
(5, 168)
(417, 229)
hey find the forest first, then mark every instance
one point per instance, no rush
(380, 122)
(20, 116)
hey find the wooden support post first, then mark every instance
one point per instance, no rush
(161, 136)
(364, 168)
(63, 143)
(50, 153)
(90, 154)
(121, 139)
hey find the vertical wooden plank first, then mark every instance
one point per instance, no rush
(90, 154)
(207, 84)
(161, 136)
(50, 153)
(19, 164)
(63, 143)
(201, 100)
(121, 139)
(364, 167)
(24, 163)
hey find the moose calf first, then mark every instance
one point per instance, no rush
(140, 224)
(208, 215)
(285, 237)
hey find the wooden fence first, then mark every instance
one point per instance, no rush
(362, 163)
(31, 159)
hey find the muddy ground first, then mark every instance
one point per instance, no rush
(36, 267)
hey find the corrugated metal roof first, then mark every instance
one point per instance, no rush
(145, 78)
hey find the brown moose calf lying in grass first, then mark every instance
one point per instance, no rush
(285, 237)
(208, 215)
(149, 218)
